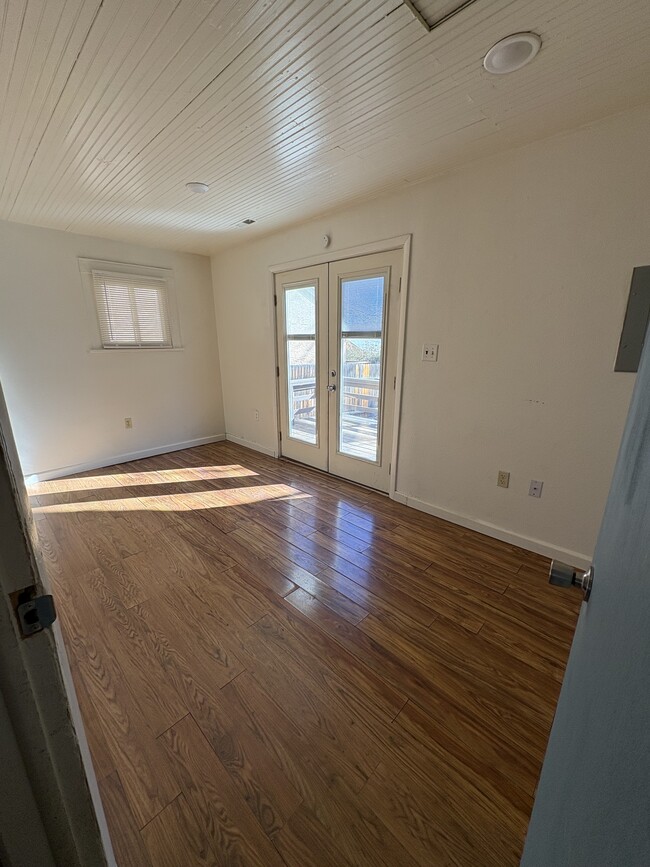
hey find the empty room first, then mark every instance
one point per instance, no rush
(324, 433)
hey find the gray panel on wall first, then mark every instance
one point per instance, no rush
(635, 326)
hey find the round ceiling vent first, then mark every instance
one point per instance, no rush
(512, 53)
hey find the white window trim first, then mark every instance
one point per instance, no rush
(94, 338)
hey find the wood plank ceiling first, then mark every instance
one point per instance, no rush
(287, 108)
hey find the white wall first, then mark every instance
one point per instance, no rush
(520, 271)
(67, 405)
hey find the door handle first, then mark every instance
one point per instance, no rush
(332, 373)
(562, 575)
(331, 388)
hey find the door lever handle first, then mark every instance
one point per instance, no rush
(331, 388)
(562, 575)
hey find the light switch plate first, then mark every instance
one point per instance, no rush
(430, 352)
(535, 489)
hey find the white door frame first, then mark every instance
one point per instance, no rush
(401, 242)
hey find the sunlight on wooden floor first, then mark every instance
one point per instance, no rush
(179, 502)
(115, 480)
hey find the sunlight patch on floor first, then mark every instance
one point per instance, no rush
(157, 477)
(181, 502)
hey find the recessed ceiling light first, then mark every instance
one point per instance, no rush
(512, 53)
(197, 187)
(248, 222)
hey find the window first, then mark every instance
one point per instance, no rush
(129, 307)
(133, 311)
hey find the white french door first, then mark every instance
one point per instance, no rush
(301, 303)
(337, 352)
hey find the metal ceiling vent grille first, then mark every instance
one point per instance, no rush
(449, 12)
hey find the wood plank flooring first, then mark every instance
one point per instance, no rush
(276, 667)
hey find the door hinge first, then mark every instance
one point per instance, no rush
(33, 612)
(400, 284)
(275, 300)
(390, 467)
(277, 371)
(394, 382)
(280, 435)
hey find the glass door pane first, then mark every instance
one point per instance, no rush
(361, 351)
(302, 368)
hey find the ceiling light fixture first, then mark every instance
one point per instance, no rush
(512, 53)
(197, 187)
(248, 222)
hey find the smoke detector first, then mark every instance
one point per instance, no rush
(197, 187)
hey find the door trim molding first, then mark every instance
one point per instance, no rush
(401, 242)
(398, 243)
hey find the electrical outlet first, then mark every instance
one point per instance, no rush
(128, 423)
(535, 489)
(257, 415)
(503, 479)
(430, 352)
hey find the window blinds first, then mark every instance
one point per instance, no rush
(133, 311)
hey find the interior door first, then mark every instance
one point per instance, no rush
(337, 330)
(363, 320)
(592, 805)
(47, 782)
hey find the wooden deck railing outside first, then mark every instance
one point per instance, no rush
(360, 392)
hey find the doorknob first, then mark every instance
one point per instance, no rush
(563, 575)
(331, 388)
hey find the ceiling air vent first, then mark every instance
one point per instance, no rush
(454, 10)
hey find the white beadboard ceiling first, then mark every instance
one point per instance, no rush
(287, 108)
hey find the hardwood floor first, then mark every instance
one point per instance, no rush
(279, 668)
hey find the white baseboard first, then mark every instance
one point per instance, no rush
(574, 558)
(98, 463)
(256, 447)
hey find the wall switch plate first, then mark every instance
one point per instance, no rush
(535, 489)
(503, 479)
(257, 415)
(430, 352)
(128, 423)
